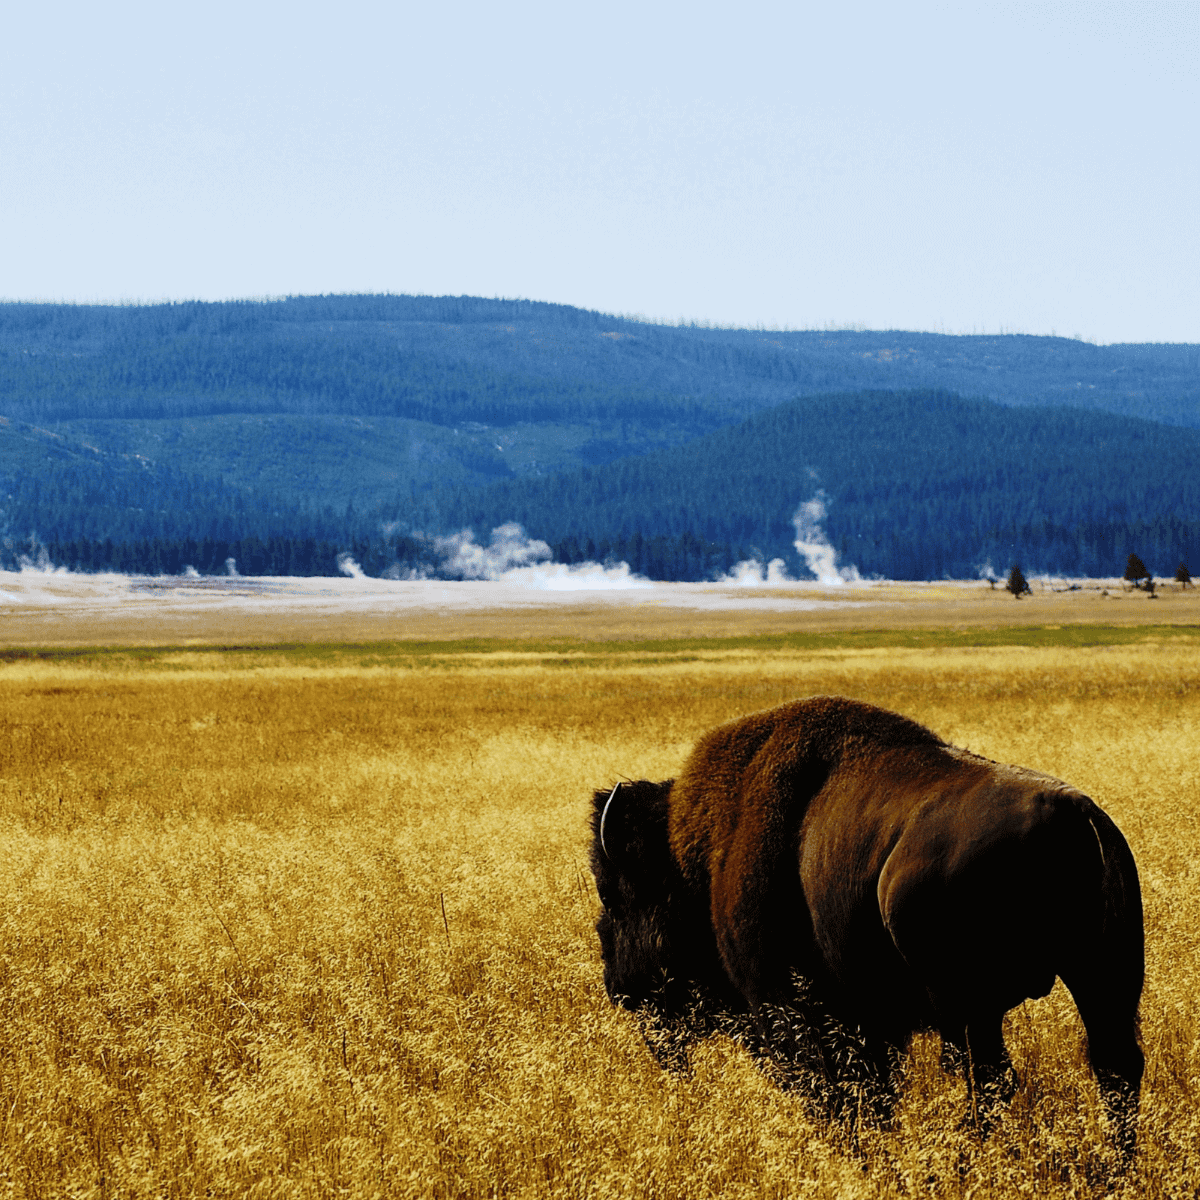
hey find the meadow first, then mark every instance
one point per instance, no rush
(317, 920)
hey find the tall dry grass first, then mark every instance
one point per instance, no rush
(275, 925)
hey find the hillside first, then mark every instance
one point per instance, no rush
(912, 485)
(916, 485)
(498, 362)
(402, 393)
(328, 420)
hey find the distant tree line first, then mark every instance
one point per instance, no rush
(166, 556)
(109, 499)
(660, 556)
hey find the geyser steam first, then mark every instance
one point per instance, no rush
(513, 557)
(813, 546)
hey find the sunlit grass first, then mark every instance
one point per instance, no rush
(300, 919)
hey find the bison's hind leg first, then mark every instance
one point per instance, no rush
(975, 1048)
(1109, 1014)
(875, 1086)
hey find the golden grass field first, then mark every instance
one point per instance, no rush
(317, 920)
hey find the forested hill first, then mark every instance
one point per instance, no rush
(918, 485)
(450, 360)
(141, 437)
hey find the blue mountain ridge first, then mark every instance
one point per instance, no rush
(356, 420)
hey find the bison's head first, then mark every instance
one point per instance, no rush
(640, 887)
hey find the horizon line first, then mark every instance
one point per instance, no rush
(829, 326)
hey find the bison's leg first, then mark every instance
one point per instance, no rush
(786, 1034)
(676, 1015)
(976, 1048)
(884, 1058)
(850, 1072)
(1110, 1018)
(668, 1037)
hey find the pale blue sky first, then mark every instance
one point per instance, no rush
(996, 166)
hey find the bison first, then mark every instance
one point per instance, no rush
(833, 849)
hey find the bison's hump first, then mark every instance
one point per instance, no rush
(765, 767)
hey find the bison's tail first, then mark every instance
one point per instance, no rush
(1122, 934)
(1104, 973)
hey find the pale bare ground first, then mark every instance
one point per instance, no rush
(55, 609)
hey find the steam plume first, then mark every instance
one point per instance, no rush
(509, 550)
(751, 572)
(39, 561)
(513, 557)
(348, 566)
(813, 546)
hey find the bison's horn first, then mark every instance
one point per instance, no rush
(604, 817)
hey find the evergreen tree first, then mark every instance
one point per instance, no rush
(1135, 570)
(1017, 583)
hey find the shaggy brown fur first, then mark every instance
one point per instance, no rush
(911, 885)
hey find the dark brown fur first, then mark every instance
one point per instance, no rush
(911, 884)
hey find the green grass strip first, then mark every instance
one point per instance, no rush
(578, 652)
